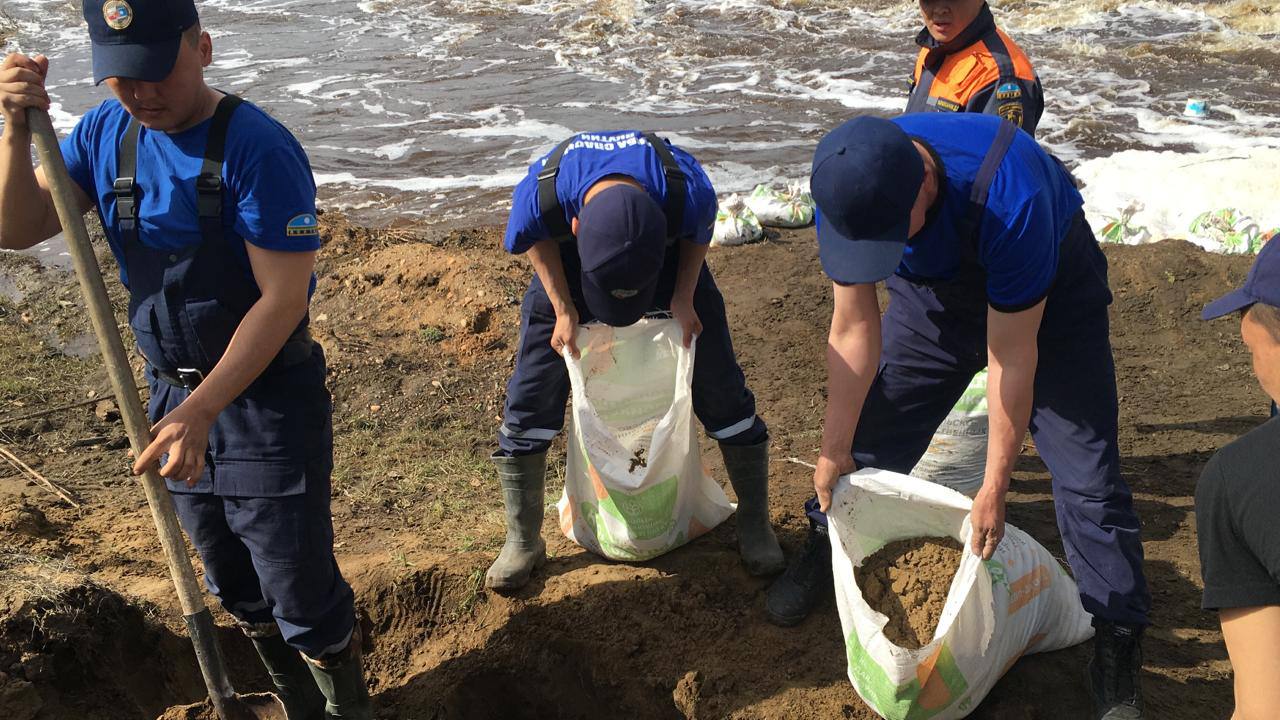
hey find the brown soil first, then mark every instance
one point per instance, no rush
(420, 328)
(907, 582)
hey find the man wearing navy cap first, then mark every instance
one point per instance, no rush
(989, 262)
(617, 225)
(209, 207)
(1237, 500)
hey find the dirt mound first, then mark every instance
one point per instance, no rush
(907, 582)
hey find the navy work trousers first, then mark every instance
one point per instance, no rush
(260, 518)
(539, 387)
(934, 341)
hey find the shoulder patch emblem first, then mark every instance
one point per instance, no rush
(949, 106)
(1011, 111)
(1009, 91)
(118, 14)
(302, 225)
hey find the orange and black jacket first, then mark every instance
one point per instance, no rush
(981, 70)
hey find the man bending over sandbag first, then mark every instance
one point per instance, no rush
(617, 225)
(1236, 504)
(989, 261)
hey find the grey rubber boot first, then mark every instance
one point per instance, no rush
(522, 493)
(340, 678)
(295, 687)
(748, 470)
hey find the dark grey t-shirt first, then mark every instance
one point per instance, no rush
(1238, 521)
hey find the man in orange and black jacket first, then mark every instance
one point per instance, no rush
(967, 64)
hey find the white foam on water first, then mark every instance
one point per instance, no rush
(1169, 190)
(502, 179)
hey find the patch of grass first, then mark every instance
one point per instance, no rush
(471, 593)
(431, 334)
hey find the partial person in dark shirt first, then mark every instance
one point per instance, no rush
(1236, 505)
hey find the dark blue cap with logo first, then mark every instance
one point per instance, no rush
(866, 176)
(622, 238)
(137, 39)
(1261, 286)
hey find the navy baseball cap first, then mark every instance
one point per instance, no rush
(866, 176)
(137, 39)
(622, 239)
(1261, 286)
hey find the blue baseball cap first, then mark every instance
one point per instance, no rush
(137, 39)
(622, 239)
(866, 176)
(1261, 286)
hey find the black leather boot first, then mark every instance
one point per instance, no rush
(1114, 671)
(805, 583)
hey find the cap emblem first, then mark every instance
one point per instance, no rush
(624, 294)
(118, 14)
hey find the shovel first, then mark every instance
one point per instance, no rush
(226, 703)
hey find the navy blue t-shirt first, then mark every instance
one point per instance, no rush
(1030, 209)
(591, 157)
(268, 186)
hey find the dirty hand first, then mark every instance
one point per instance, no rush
(184, 434)
(825, 475)
(22, 87)
(987, 520)
(564, 337)
(682, 310)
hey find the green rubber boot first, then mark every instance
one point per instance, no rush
(340, 677)
(524, 550)
(748, 470)
(295, 688)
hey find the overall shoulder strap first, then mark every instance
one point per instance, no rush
(209, 182)
(125, 187)
(676, 190)
(972, 221)
(549, 206)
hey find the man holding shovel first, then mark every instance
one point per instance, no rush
(209, 207)
(617, 224)
(980, 238)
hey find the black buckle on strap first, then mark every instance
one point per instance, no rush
(189, 377)
(126, 192)
(548, 173)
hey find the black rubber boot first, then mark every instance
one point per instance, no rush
(524, 550)
(748, 470)
(295, 687)
(340, 677)
(805, 583)
(1114, 671)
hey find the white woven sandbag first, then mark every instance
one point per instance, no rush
(787, 207)
(735, 224)
(1019, 602)
(957, 454)
(635, 486)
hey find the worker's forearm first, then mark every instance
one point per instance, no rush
(256, 342)
(545, 256)
(25, 210)
(692, 256)
(853, 355)
(1010, 390)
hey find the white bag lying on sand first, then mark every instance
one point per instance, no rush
(787, 207)
(1019, 602)
(635, 486)
(736, 224)
(957, 455)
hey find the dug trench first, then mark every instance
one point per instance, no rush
(420, 328)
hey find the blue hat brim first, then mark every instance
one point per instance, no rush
(1227, 304)
(615, 311)
(148, 62)
(850, 261)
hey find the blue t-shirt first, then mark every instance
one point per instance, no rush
(1030, 209)
(591, 157)
(267, 183)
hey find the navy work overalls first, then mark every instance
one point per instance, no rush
(539, 387)
(259, 516)
(935, 341)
